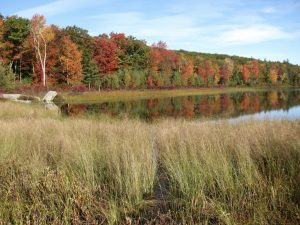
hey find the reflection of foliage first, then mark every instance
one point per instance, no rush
(74, 109)
(224, 105)
(274, 98)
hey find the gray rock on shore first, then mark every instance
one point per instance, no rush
(49, 97)
(20, 98)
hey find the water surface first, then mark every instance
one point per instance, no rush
(273, 104)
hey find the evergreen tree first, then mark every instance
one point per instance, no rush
(89, 69)
(15, 33)
(6, 77)
(176, 79)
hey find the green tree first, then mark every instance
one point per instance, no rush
(138, 78)
(210, 80)
(6, 77)
(126, 78)
(16, 31)
(176, 79)
(199, 81)
(114, 81)
(89, 69)
(236, 78)
(136, 54)
(80, 37)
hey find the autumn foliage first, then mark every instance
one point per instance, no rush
(245, 73)
(273, 75)
(105, 55)
(70, 61)
(39, 53)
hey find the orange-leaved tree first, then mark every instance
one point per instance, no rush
(70, 61)
(245, 72)
(255, 69)
(187, 69)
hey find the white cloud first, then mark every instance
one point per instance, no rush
(269, 9)
(57, 7)
(252, 35)
(169, 28)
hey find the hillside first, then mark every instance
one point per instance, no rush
(34, 53)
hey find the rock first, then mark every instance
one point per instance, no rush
(20, 98)
(11, 97)
(23, 101)
(50, 96)
(48, 99)
(29, 98)
(52, 107)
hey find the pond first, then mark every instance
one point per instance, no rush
(273, 104)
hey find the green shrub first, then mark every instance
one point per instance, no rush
(176, 79)
(138, 78)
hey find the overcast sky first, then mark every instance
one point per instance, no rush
(259, 28)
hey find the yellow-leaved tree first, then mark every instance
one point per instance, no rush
(41, 35)
(273, 75)
(70, 61)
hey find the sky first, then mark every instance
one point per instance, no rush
(264, 29)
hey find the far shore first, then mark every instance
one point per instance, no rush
(123, 95)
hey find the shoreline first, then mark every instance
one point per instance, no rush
(127, 95)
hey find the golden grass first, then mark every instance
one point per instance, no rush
(126, 95)
(62, 171)
(12, 110)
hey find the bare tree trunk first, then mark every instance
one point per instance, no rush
(15, 72)
(41, 58)
(67, 74)
(20, 73)
(44, 63)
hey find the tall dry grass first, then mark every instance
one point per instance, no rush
(78, 171)
(244, 173)
(125, 95)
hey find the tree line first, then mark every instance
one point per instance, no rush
(33, 52)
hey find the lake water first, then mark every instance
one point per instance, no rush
(275, 104)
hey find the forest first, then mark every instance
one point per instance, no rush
(35, 54)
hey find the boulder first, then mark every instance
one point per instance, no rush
(49, 97)
(11, 97)
(20, 98)
(29, 98)
(47, 100)
(52, 107)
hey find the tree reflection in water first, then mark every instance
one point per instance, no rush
(192, 107)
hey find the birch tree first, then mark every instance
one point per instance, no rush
(41, 36)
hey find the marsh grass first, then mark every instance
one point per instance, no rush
(127, 95)
(12, 110)
(79, 171)
(245, 173)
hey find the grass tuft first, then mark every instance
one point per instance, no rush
(80, 171)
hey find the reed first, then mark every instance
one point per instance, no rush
(126, 95)
(86, 171)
